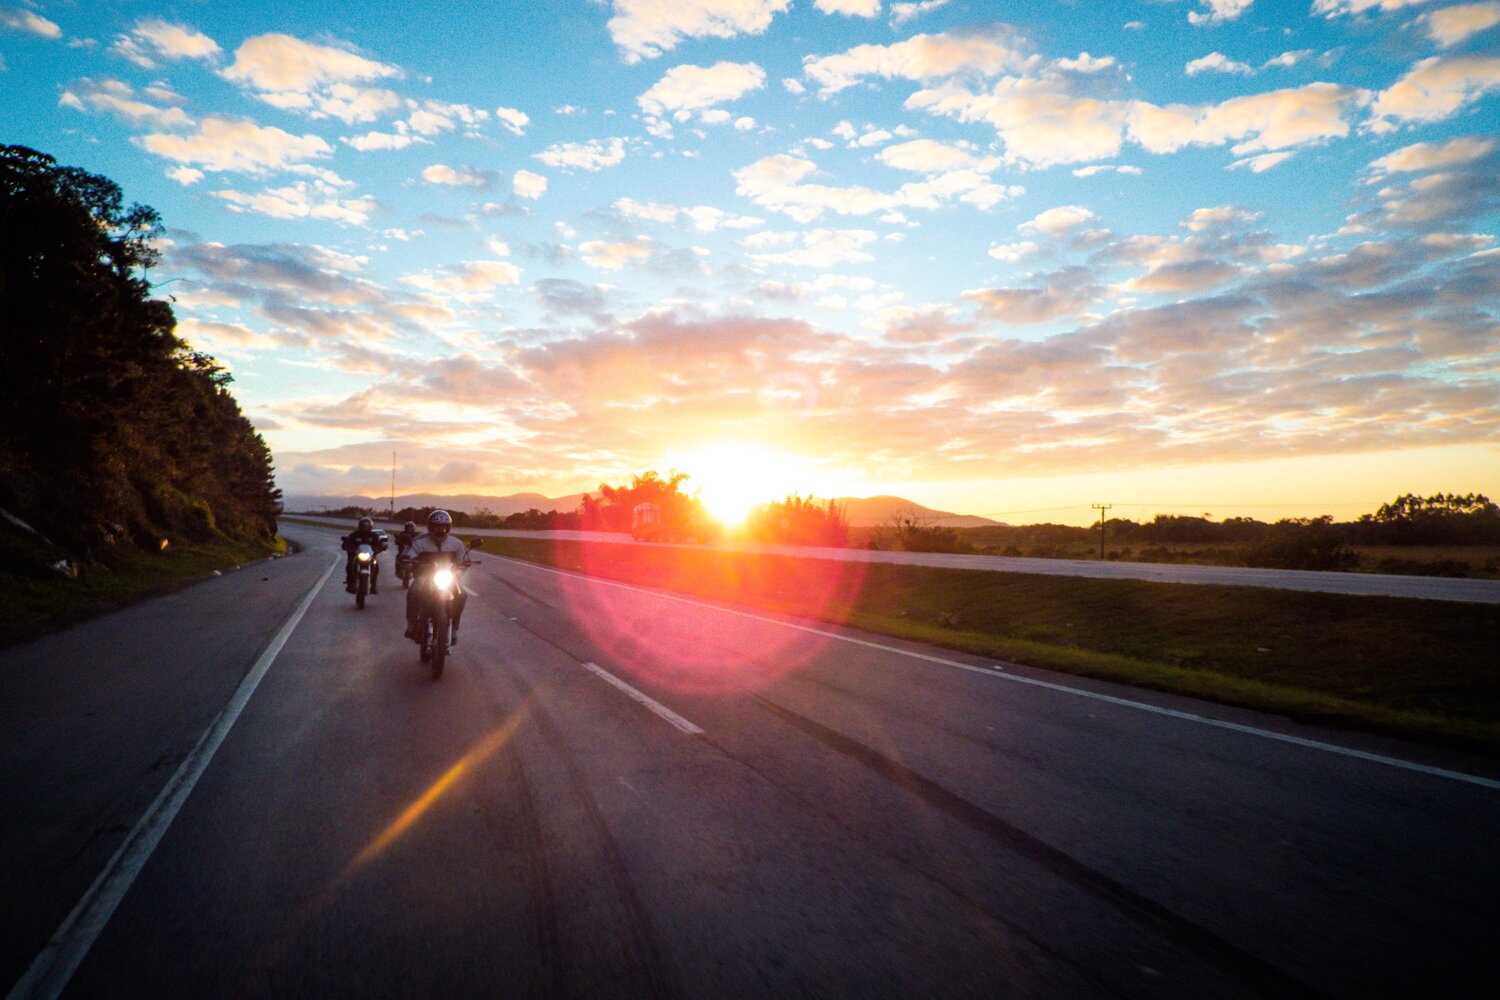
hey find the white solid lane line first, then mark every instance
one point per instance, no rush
(998, 672)
(49, 973)
(647, 700)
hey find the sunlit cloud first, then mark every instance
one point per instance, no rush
(470, 280)
(593, 155)
(514, 120)
(1452, 26)
(320, 80)
(1218, 11)
(1216, 62)
(526, 184)
(686, 88)
(228, 144)
(19, 19)
(446, 176)
(302, 200)
(1434, 89)
(1432, 155)
(120, 99)
(921, 58)
(153, 40)
(645, 29)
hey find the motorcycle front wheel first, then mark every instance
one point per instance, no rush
(361, 589)
(439, 643)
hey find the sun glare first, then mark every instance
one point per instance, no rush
(732, 479)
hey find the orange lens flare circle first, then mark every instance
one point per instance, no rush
(683, 644)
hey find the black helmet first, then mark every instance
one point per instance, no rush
(365, 524)
(410, 526)
(439, 523)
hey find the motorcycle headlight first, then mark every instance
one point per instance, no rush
(443, 578)
(364, 557)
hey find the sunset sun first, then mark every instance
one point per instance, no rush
(731, 479)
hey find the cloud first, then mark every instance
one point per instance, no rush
(645, 29)
(302, 200)
(1085, 63)
(1219, 11)
(688, 88)
(372, 141)
(779, 184)
(1288, 59)
(1041, 123)
(703, 218)
(849, 8)
(320, 80)
(824, 248)
(471, 280)
(440, 173)
(1255, 122)
(119, 98)
(922, 58)
(1061, 300)
(903, 12)
(185, 175)
(1432, 155)
(1434, 89)
(1262, 163)
(593, 155)
(1102, 168)
(30, 22)
(526, 184)
(1337, 8)
(1452, 25)
(153, 39)
(1056, 222)
(926, 156)
(612, 256)
(514, 121)
(229, 144)
(1216, 62)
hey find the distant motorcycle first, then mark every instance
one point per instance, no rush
(405, 568)
(364, 560)
(437, 584)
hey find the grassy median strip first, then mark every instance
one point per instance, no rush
(30, 604)
(1422, 669)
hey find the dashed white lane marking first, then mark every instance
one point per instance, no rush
(998, 672)
(645, 699)
(49, 973)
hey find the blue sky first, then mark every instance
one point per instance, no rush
(991, 256)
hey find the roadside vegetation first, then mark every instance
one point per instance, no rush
(1419, 669)
(125, 461)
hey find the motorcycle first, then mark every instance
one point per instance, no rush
(405, 562)
(364, 561)
(439, 586)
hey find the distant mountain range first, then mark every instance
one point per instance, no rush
(863, 512)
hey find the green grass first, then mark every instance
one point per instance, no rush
(1420, 669)
(27, 603)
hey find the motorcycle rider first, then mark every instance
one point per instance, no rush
(404, 542)
(436, 545)
(364, 534)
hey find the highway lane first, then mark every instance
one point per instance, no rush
(1430, 588)
(865, 817)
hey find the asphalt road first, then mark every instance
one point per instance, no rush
(619, 792)
(1433, 588)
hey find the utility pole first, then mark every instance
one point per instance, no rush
(392, 514)
(1101, 508)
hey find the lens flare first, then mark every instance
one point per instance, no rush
(681, 642)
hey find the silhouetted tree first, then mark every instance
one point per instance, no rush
(799, 520)
(612, 509)
(110, 427)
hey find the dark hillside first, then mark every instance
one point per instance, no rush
(114, 434)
